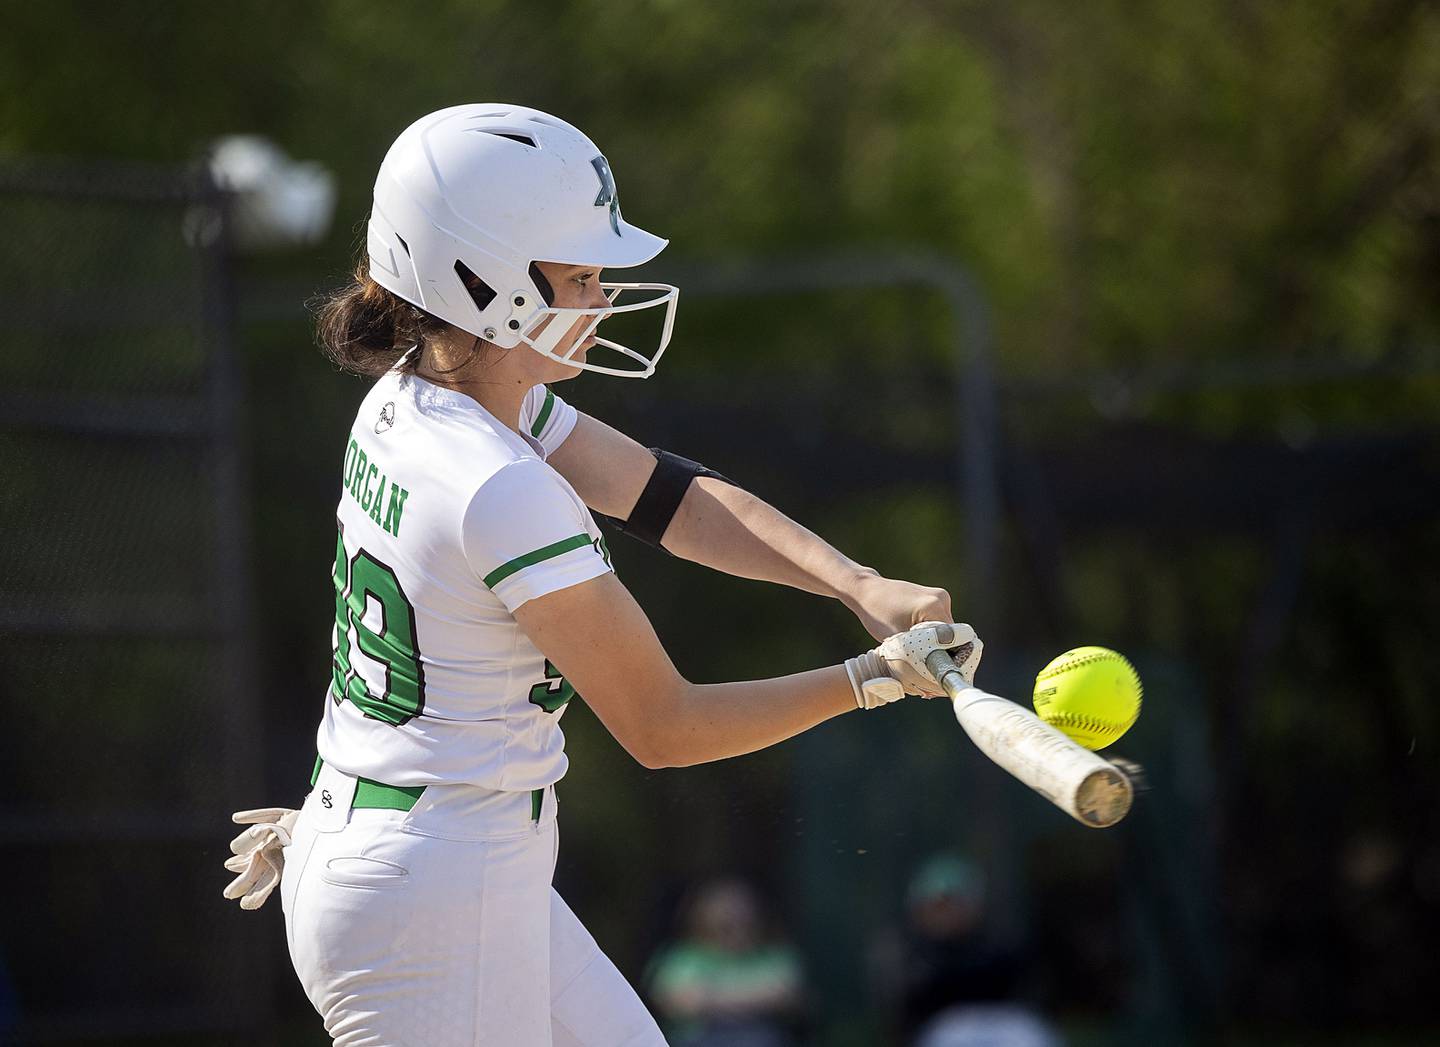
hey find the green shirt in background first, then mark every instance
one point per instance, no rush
(724, 979)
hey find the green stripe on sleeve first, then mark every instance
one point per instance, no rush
(544, 415)
(505, 570)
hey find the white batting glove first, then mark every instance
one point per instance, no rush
(897, 667)
(258, 853)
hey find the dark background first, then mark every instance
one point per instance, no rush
(1119, 320)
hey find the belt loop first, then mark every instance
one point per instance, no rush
(368, 793)
(330, 800)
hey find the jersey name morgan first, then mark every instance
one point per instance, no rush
(448, 522)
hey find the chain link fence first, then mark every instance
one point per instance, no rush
(124, 605)
(1266, 575)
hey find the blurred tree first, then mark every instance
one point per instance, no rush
(1126, 176)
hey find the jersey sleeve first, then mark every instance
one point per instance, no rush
(547, 418)
(525, 535)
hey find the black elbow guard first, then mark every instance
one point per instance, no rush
(656, 506)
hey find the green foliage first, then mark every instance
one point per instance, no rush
(1129, 178)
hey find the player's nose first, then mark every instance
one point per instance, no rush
(595, 296)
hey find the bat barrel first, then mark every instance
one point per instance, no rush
(1084, 785)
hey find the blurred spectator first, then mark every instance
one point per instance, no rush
(725, 984)
(949, 983)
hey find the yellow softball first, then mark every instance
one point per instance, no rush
(1090, 693)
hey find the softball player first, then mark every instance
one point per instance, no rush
(475, 597)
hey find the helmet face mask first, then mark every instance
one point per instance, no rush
(545, 338)
(469, 198)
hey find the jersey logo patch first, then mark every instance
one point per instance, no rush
(386, 419)
(608, 195)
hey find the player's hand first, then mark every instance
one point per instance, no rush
(258, 855)
(886, 606)
(897, 667)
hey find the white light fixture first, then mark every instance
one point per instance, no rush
(278, 202)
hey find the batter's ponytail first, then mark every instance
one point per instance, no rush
(365, 329)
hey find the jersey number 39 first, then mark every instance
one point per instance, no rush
(552, 692)
(393, 645)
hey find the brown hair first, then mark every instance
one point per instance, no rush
(365, 329)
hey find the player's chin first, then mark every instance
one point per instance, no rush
(570, 366)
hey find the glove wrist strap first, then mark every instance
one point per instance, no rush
(861, 669)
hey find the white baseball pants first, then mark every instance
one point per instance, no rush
(438, 927)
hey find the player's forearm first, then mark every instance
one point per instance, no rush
(729, 529)
(705, 722)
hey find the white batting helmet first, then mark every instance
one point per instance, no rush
(469, 198)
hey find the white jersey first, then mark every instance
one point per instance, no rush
(449, 521)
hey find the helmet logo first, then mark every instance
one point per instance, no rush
(608, 197)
